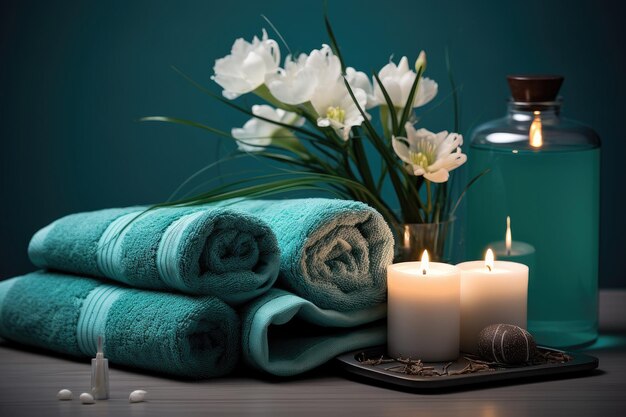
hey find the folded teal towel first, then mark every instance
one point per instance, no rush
(285, 335)
(196, 250)
(333, 252)
(196, 337)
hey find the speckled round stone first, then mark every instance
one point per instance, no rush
(506, 343)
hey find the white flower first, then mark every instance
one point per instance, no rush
(295, 84)
(326, 66)
(302, 79)
(358, 79)
(331, 99)
(336, 109)
(257, 134)
(432, 155)
(316, 78)
(245, 68)
(398, 81)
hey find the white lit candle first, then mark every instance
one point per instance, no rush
(423, 316)
(491, 292)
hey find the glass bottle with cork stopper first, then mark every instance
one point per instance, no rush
(544, 172)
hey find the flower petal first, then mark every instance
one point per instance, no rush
(230, 95)
(401, 148)
(426, 91)
(394, 91)
(411, 133)
(358, 79)
(437, 176)
(449, 162)
(440, 138)
(323, 122)
(448, 145)
(418, 170)
(245, 68)
(346, 133)
(265, 111)
(403, 66)
(295, 85)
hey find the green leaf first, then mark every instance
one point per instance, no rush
(186, 123)
(407, 205)
(286, 159)
(360, 160)
(246, 111)
(408, 107)
(287, 142)
(390, 106)
(455, 96)
(469, 184)
(280, 36)
(232, 156)
(333, 41)
(204, 185)
(281, 184)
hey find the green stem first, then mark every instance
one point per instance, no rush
(408, 107)
(440, 202)
(383, 174)
(360, 160)
(415, 189)
(392, 115)
(429, 206)
(405, 203)
(384, 118)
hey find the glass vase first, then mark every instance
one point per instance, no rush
(544, 174)
(414, 238)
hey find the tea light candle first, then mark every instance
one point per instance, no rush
(423, 316)
(491, 292)
(513, 250)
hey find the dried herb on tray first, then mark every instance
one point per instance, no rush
(474, 364)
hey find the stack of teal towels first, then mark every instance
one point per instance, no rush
(283, 285)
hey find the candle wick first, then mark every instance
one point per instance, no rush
(488, 267)
(423, 272)
(508, 252)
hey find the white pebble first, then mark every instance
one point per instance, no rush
(64, 395)
(137, 396)
(86, 398)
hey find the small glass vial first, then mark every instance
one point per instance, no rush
(544, 174)
(100, 374)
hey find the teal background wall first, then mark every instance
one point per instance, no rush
(76, 75)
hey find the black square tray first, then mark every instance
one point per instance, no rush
(378, 374)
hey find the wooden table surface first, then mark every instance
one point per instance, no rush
(30, 379)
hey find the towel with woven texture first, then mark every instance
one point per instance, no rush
(195, 250)
(334, 252)
(181, 335)
(285, 335)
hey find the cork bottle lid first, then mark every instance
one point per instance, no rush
(534, 88)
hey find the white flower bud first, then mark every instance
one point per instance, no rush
(421, 62)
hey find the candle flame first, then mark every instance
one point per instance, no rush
(425, 262)
(535, 135)
(489, 259)
(508, 240)
(407, 236)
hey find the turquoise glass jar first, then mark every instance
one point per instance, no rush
(544, 172)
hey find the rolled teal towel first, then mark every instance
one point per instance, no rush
(196, 337)
(196, 250)
(333, 252)
(286, 335)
